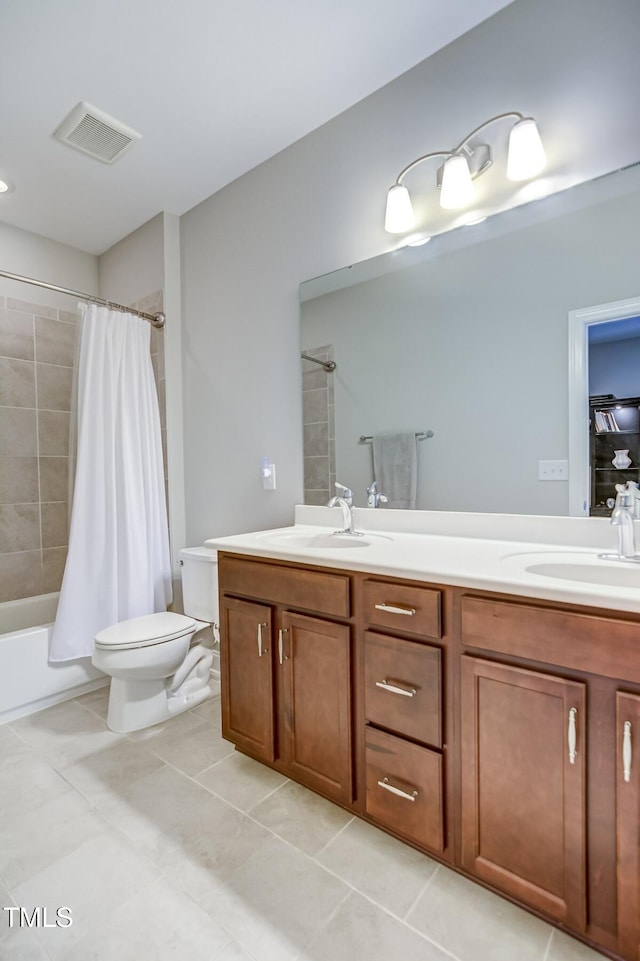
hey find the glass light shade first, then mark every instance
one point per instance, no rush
(526, 157)
(457, 188)
(399, 216)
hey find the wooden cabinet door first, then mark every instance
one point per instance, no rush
(247, 677)
(628, 823)
(523, 786)
(314, 657)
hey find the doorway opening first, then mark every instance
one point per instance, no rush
(594, 333)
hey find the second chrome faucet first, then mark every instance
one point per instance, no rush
(344, 500)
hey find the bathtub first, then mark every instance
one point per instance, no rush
(28, 682)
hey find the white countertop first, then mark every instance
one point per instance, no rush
(552, 558)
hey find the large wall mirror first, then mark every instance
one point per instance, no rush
(466, 337)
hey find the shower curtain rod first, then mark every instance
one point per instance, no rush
(157, 320)
(328, 365)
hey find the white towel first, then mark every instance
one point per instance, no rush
(395, 467)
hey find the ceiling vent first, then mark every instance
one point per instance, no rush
(96, 133)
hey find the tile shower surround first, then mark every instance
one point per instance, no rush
(37, 347)
(168, 845)
(318, 404)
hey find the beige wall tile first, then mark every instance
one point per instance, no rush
(55, 528)
(18, 480)
(314, 378)
(53, 433)
(161, 366)
(54, 387)
(20, 575)
(19, 527)
(314, 406)
(53, 561)
(54, 478)
(67, 316)
(162, 402)
(17, 383)
(316, 439)
(316, 472)
(317, 498)
(18, 437)
(55, 342)
(16, 334)
(30, 308)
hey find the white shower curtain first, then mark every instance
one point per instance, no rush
(118, 564)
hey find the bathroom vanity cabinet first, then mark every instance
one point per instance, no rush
(401, 722)
(286, 696)
(497, 734)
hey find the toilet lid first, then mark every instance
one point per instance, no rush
(146, 630)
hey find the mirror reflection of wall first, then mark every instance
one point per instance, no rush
(473, 345)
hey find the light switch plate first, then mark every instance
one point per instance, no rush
(553, 470)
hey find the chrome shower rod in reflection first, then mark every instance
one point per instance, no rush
(328, 365)
(420, 435)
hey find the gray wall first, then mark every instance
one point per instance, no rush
(319, 205)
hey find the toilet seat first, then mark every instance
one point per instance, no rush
(145, 631)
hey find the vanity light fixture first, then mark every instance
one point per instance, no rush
(462, 165)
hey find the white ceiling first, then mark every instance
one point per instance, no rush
(214, 87)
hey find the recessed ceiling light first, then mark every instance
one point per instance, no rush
(4, 187)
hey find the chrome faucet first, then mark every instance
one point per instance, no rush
(344, 500)
(374, 499)
(624, 513)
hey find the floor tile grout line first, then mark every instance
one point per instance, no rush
(326, 923)
(334, 838)
(422, 890)
(548, 948)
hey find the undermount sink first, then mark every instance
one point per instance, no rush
(587, 568)
(322, 540)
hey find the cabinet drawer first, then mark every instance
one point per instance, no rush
(414, 610)
(583, 642)
(294, 587)
(404, 788)
(402, 687)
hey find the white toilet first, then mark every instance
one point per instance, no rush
(155, 672)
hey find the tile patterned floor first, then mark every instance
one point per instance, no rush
(168, 846)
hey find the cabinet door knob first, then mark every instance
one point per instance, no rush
(397, 688)
(261, 650)
(626, 751)
(571, 735)
(394, 609)
(388, 786)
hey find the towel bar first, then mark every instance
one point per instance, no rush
(420, 435)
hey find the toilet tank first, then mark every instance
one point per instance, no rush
(199, 567)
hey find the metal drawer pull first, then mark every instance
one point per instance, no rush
(626, 750)
(260, 650)
(281, 655)
(391, 609)
(396, 688)
(571, 735)
(396, 790)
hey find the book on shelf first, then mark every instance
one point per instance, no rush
(605, 420)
